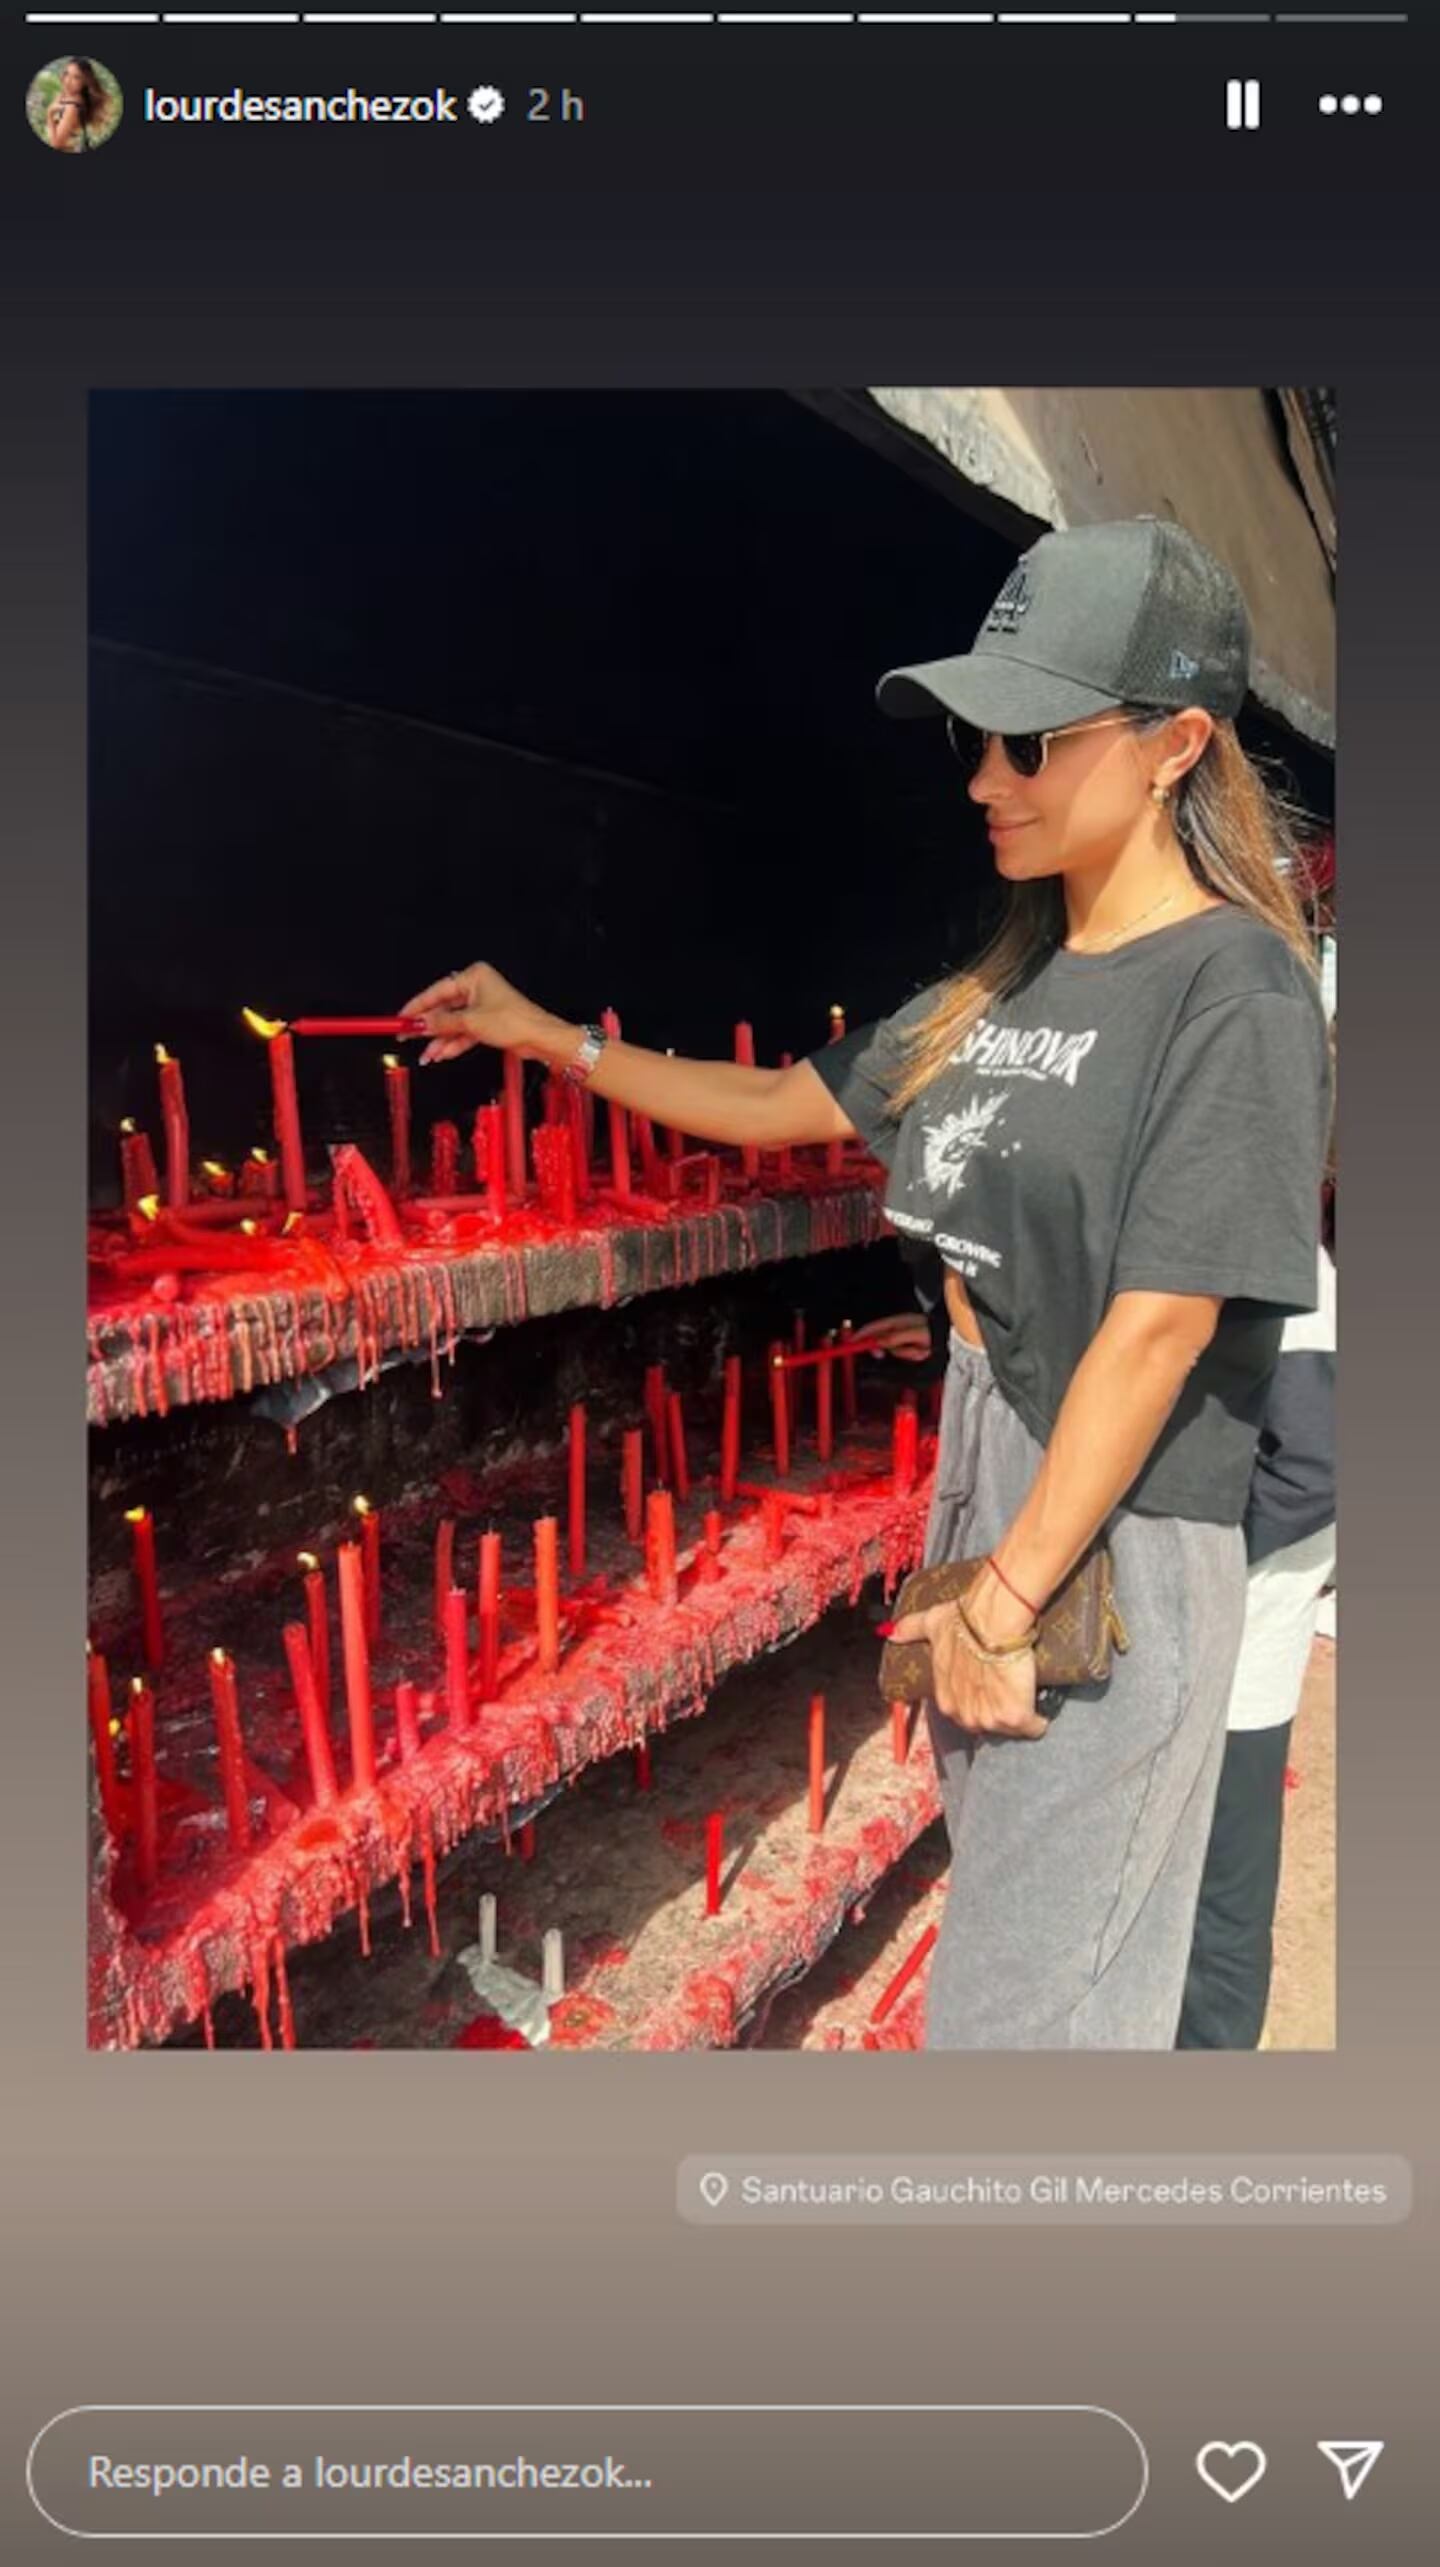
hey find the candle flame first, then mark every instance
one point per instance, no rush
(250, 1228)
(149, 1204)
(307, 1560)
(360, 1505)
(127, 1123)
(389, 1061)
(137, 1514)
(115, 1726)
(265, 1026)
(288, 1224)
(138, 1685)
(219, 1658)
(214, 1167)
(162, 1057)
(261, 1158)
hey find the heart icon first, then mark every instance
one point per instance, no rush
(713, 2189)
(1231, 2468)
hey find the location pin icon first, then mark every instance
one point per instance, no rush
(713, 2189)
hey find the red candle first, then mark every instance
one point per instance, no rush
(575, 1104)
(396, 1026)
(138, 1176)
(318, 1618)
(651, 1170)
(905, 1973)
(492, 1119)
(232, 1749)
(713, 1532)
(905, 1448)
(358, 1706)
(98, 1692)
(619, 1121)
(261, 1176)
(847, 1374)
(779, 1411)
(313, 1726)
(142, 1554)
(730, 1430)
(837, 1024)
(285, 1106)
(407, 1722)
(444, 1568)
(489, 1614)
(547, 1593)
(714, 1856)
(633, 1481)
(679, 1458)
(642, 1767)
(660, 1545)
(817, 1764)
(825, 1407)
(144, 1786)
(397, 1099)
(444, 1158)
(772, 1523)
(457, 1669)
(745, 1053)
(900, 1731)
(219, 1180)
(176, 1125)
(577, 1490)
(370, 1566)
(793, 1382)
(527, 1841)
(655, 1396)
(674, 1140)
(555, 1170)
(515, 1123)
(834, 1158)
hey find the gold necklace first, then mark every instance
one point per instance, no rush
(1117, 932)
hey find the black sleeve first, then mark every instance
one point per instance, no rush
(1225, 1196)
(861, 1070)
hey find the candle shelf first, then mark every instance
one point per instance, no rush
(220, 1918)
(168, 1326)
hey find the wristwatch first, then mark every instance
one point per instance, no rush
(592, 1045)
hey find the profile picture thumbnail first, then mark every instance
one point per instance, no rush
(74, 104)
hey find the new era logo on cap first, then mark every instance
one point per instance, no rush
(1181, 665)
(1012, 602)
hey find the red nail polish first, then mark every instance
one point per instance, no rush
(885, 1629)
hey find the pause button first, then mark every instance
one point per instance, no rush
(1242, 105)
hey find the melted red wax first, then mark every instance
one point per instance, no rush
(489, 2032)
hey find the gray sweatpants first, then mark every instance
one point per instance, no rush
(1077, 1856)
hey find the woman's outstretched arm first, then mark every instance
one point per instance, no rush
(712, 1100)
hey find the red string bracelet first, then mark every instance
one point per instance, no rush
(992, 1563)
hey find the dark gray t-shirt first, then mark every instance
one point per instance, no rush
(1151, 1119)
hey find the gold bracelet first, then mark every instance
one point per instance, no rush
(988, 1657)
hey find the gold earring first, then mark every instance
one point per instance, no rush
(1160, 793)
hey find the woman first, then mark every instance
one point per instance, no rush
(79, 107)
(1110, 1126)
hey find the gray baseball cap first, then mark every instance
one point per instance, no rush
(1134, 612)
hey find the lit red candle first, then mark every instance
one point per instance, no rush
(714, 1857)
(779, 1411)
(847, 1374)
(147, 1584)
(358, 1706)
(314, 1728)
(175, 1123)
(444, 1568)
(730, 1430)
(490, 1139)
(226, 1701)
(619, 1121)
(489, 1614)
(397, 1102)
(97, 1677)
(825, 1407)
(547, 1593)
(655, 1412)
(660, 1545)
(457, 1661)
(397, 1027)
(370, 1565)
(138, 1177)
(144, 1785)
(577, 1490)
(260, 1177)
(219, 1180)
(318, 1618)
(444, 1158)
(407, 1722)
(514, 1096)
(285, 1108)
(555, 1170)
(837, 1024)
(817, 1764)
(679, 1457)
(905, 1447)
(745, 1053)
(632, 1476)
(576, 1102)
(772, 1524)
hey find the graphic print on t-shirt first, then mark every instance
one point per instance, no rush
(952, 1142)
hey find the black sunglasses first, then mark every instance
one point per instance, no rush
(1025, 751)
